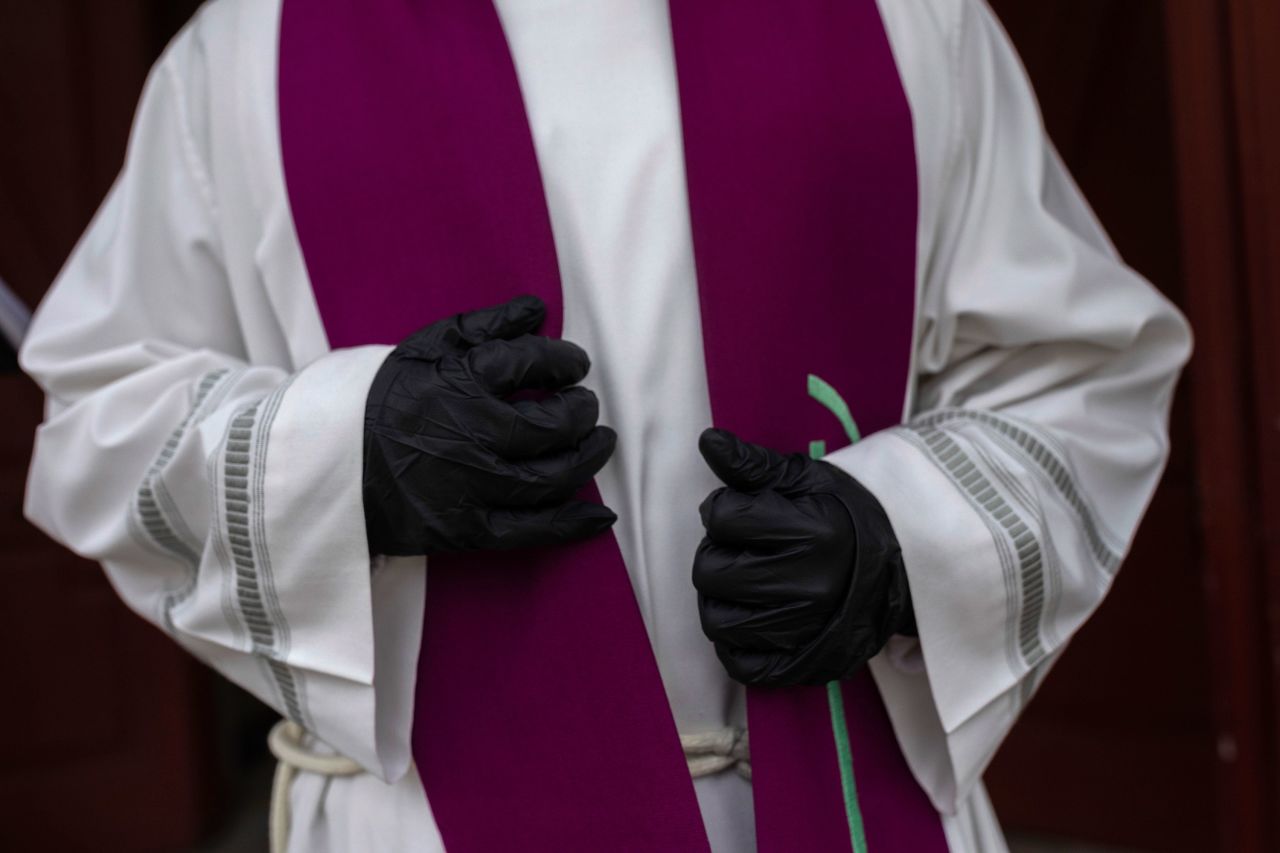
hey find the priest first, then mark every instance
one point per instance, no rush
(656, 425)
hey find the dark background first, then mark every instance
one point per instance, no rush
(1157, 731)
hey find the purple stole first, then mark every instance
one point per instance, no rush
(540, 722)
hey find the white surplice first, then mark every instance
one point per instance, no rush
(185, 363)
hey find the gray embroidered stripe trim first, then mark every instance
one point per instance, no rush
(237, 497)
(1021, 498)
(150, 514)
(1005, 522)
(157, 526)
(244, 470)
(288, 688)
(1051, 464)
(1004, 555)
(154, 512)
(270, 407)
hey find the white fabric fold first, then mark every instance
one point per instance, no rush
(222, 494)
(1037, 427)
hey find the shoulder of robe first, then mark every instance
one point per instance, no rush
(217, 31)
(930, 25)
(214, 54)
(212, 73)
(926, 37)
(183, 70)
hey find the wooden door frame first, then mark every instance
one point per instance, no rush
(1225, 78)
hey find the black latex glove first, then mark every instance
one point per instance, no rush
(451, 464)
(800, 578)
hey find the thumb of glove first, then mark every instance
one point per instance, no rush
(741, 465)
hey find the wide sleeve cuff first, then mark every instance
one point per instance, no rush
(949, 694)
(335, 634)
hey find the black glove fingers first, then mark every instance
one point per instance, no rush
(540, 427)
(522, 315)
(766, 520)
(716, 572)
(518, 316)
(528, 528)
(800, 575)
(729, 516)
(555, 478)
(528, 362)
(739, 464)
(756, 579)
(450, 465)
(570, 470)
(785, 628)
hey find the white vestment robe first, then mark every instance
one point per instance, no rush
(1033, 436)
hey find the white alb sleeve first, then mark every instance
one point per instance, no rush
(1045, 369)
(222, 496)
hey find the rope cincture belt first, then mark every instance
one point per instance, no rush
(706, 753)
(285, 743)
(709, 753)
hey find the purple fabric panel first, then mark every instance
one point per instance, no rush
(795, 775)
(801, 167)
(416, 194)
(897, 814)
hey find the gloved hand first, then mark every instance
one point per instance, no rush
(800, 578)
(451, 464)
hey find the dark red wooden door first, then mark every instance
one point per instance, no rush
(104, 731)
(1158, 729)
